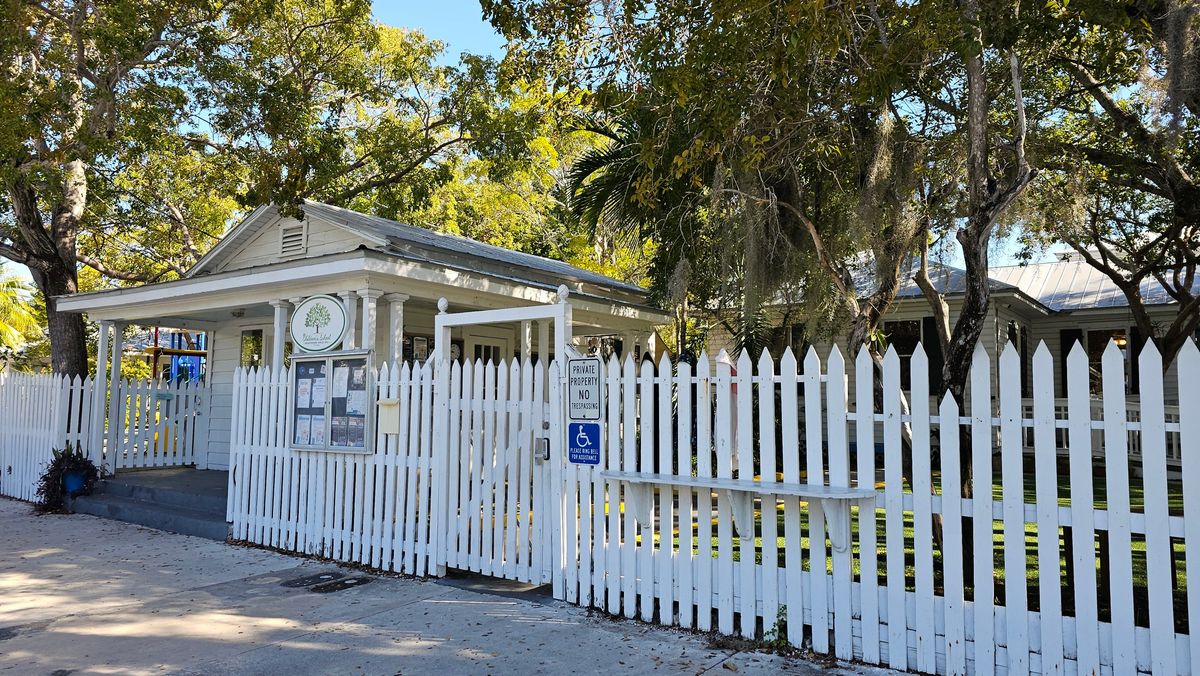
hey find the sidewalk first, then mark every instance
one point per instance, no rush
(82, 595)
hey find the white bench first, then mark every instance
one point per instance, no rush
(835, 501)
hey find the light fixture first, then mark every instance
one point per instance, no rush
(1121, 341)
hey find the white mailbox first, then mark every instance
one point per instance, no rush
(389, 416)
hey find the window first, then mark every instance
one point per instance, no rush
(293, 239)
(1018, 335)
(1097, 343)
(252, 349)
(904, 336)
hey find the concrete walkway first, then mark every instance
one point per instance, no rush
(81, 595)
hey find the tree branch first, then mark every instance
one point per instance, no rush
(110, 272)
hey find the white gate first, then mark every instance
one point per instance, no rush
(498, 480)
(497, 471)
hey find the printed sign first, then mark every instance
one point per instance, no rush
(318, 324)
(583, 443)
(584, 396)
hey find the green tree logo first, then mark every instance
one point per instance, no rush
(317, 317)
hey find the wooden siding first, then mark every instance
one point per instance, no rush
(263, 248)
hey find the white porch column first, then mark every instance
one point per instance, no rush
(99, 398)
(652, 346)
(282, 307)
(116, 407)
(544, 343)
(396, 326)
(629, 345)
(350, 301)
(370, 303)
(118, 347)
(526, 341)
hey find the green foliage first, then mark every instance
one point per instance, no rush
(51, 493)
(136, 132)
(19, 320)
(136, 368)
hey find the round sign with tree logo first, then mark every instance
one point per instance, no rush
(318, 324)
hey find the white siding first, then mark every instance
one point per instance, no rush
(323, 238)
(225, 356)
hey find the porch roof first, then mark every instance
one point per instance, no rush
(203, 301)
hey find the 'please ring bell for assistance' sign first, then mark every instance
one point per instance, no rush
(584, 396)
(583, 443)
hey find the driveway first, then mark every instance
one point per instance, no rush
(81, 595)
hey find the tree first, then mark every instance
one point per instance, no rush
(1119, 142)
(135, 132)
(996, 168)
(77, 74)
(758, 138)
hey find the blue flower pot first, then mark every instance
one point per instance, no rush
(73, 483)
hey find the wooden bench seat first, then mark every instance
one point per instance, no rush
(833, 501)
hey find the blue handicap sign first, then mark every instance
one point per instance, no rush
(583, 443)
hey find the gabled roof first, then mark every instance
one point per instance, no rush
(437, 247)
(418, 244)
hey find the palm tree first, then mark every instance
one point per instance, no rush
(617, 198)
(18, 318)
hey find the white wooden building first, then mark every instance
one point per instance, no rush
(389, 276)
(1058, 303)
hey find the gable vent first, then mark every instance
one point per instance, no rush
(292, 240)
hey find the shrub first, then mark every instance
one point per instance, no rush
(51, 493)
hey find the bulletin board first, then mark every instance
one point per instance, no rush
(333, 402)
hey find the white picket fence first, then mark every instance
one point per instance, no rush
(160, 424)
(726, 535)
(38, 413)
(373, 509)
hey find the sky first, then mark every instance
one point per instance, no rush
(458, 23)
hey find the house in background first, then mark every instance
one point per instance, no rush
(1060, 302)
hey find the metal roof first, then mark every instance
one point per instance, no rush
(1073, 284)
(947, 279)
(437, 247)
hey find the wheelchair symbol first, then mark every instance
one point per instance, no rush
(583, 445)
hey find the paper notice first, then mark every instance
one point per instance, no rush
(303, 436)
(356, 402)
(341, 381)
(317, 438)
(304, 393)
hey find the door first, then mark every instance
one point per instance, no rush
(497, 476)
(488, 344)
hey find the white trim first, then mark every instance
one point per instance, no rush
(251, 224)
(221, 290)
(227, 239)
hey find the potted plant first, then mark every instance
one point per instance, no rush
(70, 473)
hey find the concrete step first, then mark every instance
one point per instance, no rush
(163, 517)
(165, 496)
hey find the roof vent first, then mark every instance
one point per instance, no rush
(292, 239)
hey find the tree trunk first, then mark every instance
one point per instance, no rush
(68, 340)
(971, 317)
